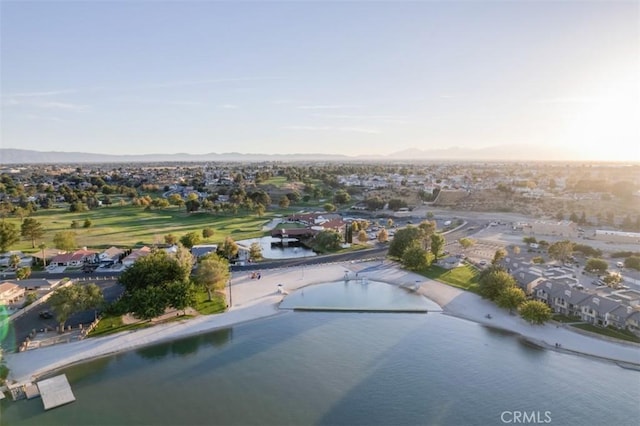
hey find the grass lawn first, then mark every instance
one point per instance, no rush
(276, 181)
(130, 226)
(605, 331)
(111, 325)
(217, 305)
(565, 319)
(465, 277)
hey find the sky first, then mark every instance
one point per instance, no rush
(353, 78)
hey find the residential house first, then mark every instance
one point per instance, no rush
(10, 293)
(77, 258)
(111, 255)
(135, 255)
(595, 310)
(618, 316)
(201, 250)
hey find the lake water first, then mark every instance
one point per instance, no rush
(292, 250)
(357, 295)
(334, 368)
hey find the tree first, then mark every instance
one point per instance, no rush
(65, 240)
(181, 295)
(498, 256)
(228, 249)
(437, 244)
(23, 273)
(389, 223)
(515, 250)
(402, 240)
(259, 210)
(32, 230)
(341, 197)
(207, 233)
(511, 298)
(561, 250)
(598, 266)
(149, 282)
(427, 229)
(74, 224)
(327, 240)
(396, 204)
(65, 301)
(9, 235)
(170, 239)
(212, 273)
(192, 204)
(190, 239)
(529, 240)
(328, 207)
(383, 236)
(466, 243)
(493, 281)
(14, 261)
(284, 202)
(176, 200)
(68, 300)
(535, 312)
(255, 251)
(362, 236)
(87, 223)
(632, 262)
(415, 257)
(92, 298)
(613, 280)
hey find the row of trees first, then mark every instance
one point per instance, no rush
(160, 281)
(416, 246)
(498, 285)
(68, 300)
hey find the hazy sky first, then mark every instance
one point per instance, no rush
(340, 77)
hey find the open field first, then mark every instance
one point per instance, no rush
(134, 226)
(464, 277)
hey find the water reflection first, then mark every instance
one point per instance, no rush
(276, 248)
(188, 345)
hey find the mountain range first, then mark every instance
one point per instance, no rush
(495, 153)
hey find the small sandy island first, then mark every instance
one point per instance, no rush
(254, 299)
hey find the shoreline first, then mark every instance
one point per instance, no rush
(257, 301)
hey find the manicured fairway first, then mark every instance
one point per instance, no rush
(130, 226)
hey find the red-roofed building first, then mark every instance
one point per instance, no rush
(77, 258)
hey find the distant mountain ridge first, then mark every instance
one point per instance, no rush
(495, 153)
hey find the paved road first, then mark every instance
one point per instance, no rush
(21, 327)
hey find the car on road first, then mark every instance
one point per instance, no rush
(45, 315)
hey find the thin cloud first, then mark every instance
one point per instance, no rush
(228, 106)
(58, 105)
(338, 129)
(327, 106)
(386, 118)
(46, 104)
(568, 100)
(41, 117)
(39, 94)
(177, 102)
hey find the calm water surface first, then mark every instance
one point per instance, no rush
(342, 369)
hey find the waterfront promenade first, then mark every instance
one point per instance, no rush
(258, 298)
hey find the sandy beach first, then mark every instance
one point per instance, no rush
(254, 299)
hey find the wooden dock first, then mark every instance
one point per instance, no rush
(55, 392)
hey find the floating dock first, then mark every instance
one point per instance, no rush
(55, 392)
